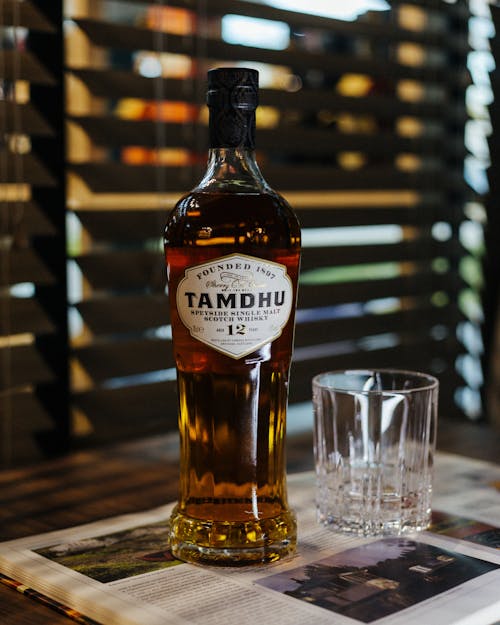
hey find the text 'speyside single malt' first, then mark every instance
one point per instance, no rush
(232, 250)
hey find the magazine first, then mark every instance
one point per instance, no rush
(120, 571)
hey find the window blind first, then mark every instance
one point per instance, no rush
(491, 296)
(33, 338)
(360, 126)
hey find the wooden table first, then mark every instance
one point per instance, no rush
(88, 485)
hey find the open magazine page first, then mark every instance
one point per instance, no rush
(121, 571)
(468, 486)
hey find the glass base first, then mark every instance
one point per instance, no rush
(232, 543)
(374, 499)
(373, 511)
(377, 527)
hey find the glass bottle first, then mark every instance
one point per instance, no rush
(232, 249)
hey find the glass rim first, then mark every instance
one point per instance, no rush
(431, 385)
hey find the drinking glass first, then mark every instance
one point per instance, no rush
(374, 445)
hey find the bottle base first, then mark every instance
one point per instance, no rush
(232, 543)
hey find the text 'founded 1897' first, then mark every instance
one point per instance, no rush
(235, 303)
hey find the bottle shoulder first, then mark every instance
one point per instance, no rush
(231, 216)
(231, 207)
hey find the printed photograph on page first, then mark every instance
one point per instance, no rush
(118, 555)
(378, 579)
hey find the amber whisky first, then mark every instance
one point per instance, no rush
(232, 249)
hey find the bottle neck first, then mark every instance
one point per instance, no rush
(231, 127)
(232, 170)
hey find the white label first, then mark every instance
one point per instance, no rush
(235, 303)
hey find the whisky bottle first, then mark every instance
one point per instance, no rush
(232, 248)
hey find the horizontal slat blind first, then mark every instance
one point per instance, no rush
(491, 296)
(360, 127)
(32, 256)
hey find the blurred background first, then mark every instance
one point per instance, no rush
(376, 122)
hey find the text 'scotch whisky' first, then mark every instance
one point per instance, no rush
(232, 250)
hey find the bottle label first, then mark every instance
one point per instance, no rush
(235, 303)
